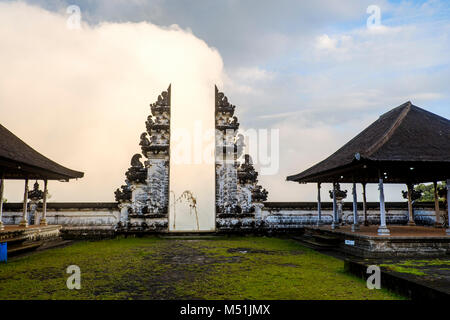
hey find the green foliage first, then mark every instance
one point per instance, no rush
(155, 268)
(428, 191)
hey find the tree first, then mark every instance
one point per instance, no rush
(428, 191)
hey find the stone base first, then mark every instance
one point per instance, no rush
(335, 225)
(438, 225)
(23, 224)
(236, 224)
(383, 231)
(355, 227)
(43, 222)
(411, 223)
(32, 233)
(403, 241)
(87, 232)
(149, 223)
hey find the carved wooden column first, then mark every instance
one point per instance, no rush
(366, 221)
(437, 223)
(2, 184)
(410, 207)
(382, 230)
(319, 208)
(24, 222)
(355, 225)
(448, 206)
(43, 221)
(335, 224)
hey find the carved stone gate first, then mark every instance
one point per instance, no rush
(144, 198)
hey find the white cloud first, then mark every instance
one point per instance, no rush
(81, 96)
(325, 42)
(252, 74)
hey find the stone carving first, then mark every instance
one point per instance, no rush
(259, 194)
(144, 143)
(246, 171)
(123, 194)
(136, 173)
(147, 183)
(340, 194)
(36, 194)
(236, 184)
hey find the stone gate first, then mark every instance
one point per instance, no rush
(144, 198)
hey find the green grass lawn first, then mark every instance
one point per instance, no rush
(155, 268)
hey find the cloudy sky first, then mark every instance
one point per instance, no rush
(312, 69)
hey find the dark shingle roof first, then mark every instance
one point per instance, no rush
(406, 134)
(18, 160)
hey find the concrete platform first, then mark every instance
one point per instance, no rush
(403, 241)
(29, 233)
(20, 239)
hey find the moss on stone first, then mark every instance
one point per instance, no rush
(154, 268)
(416, 267)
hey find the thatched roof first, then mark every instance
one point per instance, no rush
(406, 144)
(19, 161)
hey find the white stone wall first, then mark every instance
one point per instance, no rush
(106, 218)
(72, 219)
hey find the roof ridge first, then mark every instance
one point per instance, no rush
(379, 143)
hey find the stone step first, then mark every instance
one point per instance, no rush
(326, 239)
(313, 244)
(26, 247)
(189, 236)
(54, 244)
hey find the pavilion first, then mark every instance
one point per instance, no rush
(19, 161)
(405, 145)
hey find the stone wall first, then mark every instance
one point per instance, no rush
(103, 218)
(78, 220)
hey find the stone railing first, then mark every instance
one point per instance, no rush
(292, 214)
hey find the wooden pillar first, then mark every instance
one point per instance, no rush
(355, 225)
(410, 207)
(319, 206)
(366, 221)
(2, 187)
(437, 214)
(24, 222)
(335, 223)
(382, 229)
(43, 221)
(448, 206)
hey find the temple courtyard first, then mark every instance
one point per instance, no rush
(232, 267)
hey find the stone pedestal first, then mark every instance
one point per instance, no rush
(383, 231)
(23, 224)
(123, 216)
